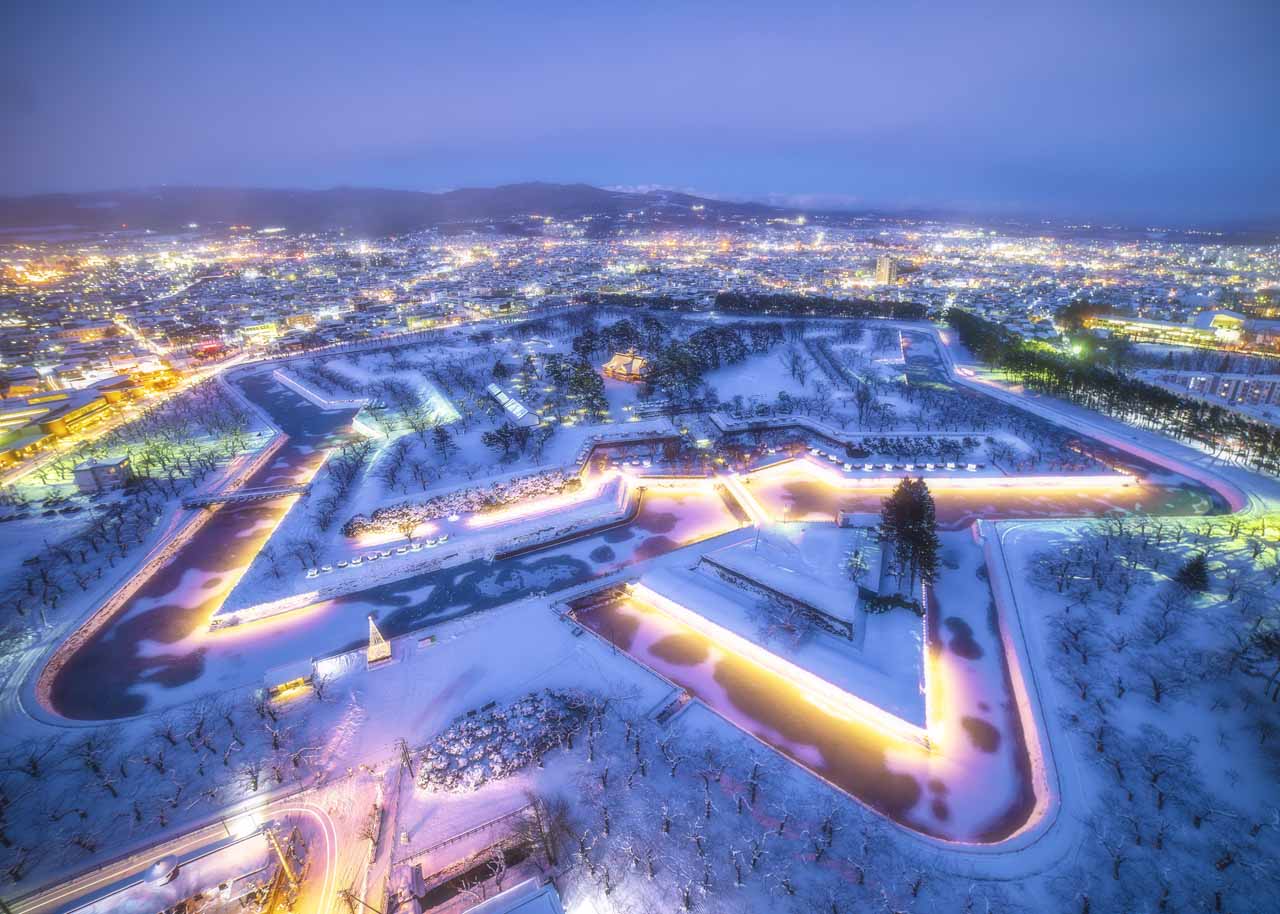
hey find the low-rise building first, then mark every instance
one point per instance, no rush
(98, 475)
(21, 382)
(1167, 333)
(17, 445)
(627, 366)
(517, 413)
(79, 409)
(260, 334)
(118, 389)
(57, 412)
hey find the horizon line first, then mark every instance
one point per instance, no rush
(837, 204)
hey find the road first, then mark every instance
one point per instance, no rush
(319, 888)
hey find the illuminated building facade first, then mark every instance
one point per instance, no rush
(626, 366)
(1210, 330)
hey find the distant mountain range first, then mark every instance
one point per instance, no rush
(370, 211)
(505, 210)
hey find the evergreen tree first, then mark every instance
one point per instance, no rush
(908, 521)
(443, 442)
(586, 344)
(1194, 573)
(587, 387)
(501, 437)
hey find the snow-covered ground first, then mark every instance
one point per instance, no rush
(973, 781)
(890, 675)
(720, 801)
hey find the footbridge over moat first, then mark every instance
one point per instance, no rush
(243, 496)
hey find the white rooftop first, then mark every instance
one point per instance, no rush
(528, 897)
(103, 463)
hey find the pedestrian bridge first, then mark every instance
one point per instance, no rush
(242, 496)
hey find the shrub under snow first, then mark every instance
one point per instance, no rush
(496, 743)
(464, 501)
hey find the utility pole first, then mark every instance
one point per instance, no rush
(405, 758)
(349, 896)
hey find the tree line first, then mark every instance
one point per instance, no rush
(816, 306)
(760, 303)
(1228, 434)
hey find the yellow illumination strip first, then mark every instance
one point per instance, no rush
(822, 693)
(263, 612)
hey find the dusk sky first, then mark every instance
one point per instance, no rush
(1130, 110)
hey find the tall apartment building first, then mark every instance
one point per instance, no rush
(886, 271)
